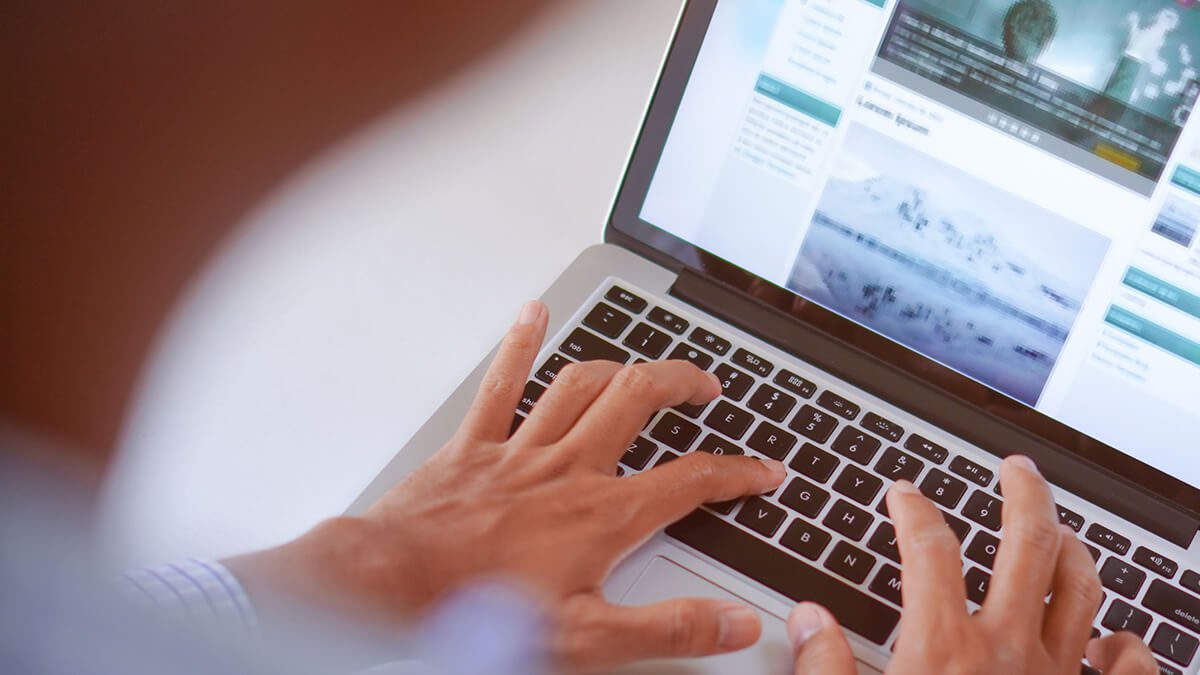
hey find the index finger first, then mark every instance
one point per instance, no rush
(669, 492)
(1029, 549)
(491, 414)
(931, 572)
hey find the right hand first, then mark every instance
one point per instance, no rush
(1016, 631)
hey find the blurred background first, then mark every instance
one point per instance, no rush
(345, 309)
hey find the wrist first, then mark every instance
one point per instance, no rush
(343, 565)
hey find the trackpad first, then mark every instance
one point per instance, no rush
(664, 580)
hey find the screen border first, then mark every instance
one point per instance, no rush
(626, 228)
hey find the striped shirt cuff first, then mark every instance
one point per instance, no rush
(203, 591)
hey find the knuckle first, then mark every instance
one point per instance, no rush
(519, 340)
(1039, 535)
(575, 376)
(932, 539)
(682, 633)
(498, 384)
(1082, 588)
(637, 382)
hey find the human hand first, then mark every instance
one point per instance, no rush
(543, 509)
(1016, 631)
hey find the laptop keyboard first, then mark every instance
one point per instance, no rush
(824, 535)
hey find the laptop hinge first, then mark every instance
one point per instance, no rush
(947, 412)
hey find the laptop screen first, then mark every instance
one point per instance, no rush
(1009, 187)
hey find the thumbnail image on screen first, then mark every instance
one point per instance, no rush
(1116, 79)
(948, 265)
(1178, 221)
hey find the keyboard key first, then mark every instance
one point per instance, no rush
(692, 410)
(899, 465)
(795, 384)
(1122, 616)
(887, 584)
(805, 539)
(850, 562)
(1093, 551)
(647, 341)
(804, 498)
(858, 485)
(716, 445)
(667, 320)
(731, 421)
(883, 541)
(771, 403)
(675, 432)
(584, 346)
(785, 574)
(638, 454)
(550, 368)
(1155, 562)
(771, 441)
(1108, 539)
(984, 509)
(698, 358)
(960, 527)
(1070, 518)
(943, 488)
(882, 427)
(977, 582)
(856, 445)
(734, 383)
(1163, 669)
(1174, 604)
(529, 398)
(724, 508)
(1191, 581)
(835, 403)
(623, 298)
(847, 519)
(815, 463)
(607, 320)
(761, 516)
(667, 456)
(714, 344)
(813, 424)
(752, 362)
(516, 424)
(973, 472)
(983, 549)
(1174, 644)
(923, 447)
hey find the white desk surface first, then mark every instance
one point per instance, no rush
(342, 313)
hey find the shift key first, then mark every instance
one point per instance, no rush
(583, 346)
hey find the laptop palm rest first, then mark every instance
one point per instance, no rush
(663, 579)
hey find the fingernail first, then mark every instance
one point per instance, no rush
(778, 470)
(738, 627)
(529, 313)
(806, 621)
(904, 487)
(1025, 463)
(716, 382)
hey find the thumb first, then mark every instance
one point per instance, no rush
(820, 645)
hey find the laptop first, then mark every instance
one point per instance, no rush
(909, 238)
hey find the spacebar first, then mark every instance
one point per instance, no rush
(787, 575)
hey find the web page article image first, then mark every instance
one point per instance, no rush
(1112, 83)
(950, 266)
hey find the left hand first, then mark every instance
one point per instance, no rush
(543, 509)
